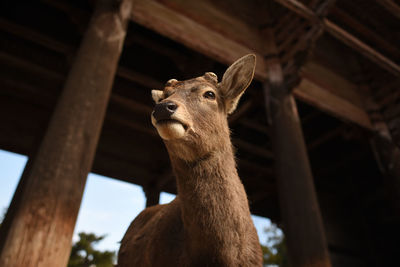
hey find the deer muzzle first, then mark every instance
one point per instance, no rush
(163, 111)
(167, 122)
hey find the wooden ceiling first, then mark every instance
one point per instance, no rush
(339, 55)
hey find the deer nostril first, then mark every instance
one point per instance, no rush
(164, 110)
(171, 106)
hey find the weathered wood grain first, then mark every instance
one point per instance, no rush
(304, 229)
(43, 218)
(308, 91)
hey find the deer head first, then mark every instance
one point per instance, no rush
(191, 116)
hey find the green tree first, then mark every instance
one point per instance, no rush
(83, 253)
(275, 250)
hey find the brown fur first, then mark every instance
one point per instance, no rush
(208, 223)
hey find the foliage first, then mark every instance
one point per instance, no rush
(275, 250)
(83, 253)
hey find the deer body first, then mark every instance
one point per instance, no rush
(209, 223)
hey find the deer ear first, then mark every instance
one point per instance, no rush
(236, 79)
(157, 95)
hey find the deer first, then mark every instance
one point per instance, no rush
(209, 222)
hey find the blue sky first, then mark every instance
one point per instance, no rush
(108, 205)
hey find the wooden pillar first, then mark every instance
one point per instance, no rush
(7, 222)
(386, 151)
(302, 221)
(41, 228)
(152, 196)
(387, 155)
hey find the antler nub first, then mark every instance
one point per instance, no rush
(211, 76)
(171, 82)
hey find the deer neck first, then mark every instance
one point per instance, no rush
(214, 204)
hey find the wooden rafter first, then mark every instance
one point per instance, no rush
(180, 28)
(135, 107)
(253, 149)
(383, 106)
(255, 126)
(308, 39)
(34, 36)
(131, 104)
(12, 60)
(55, 45)
(323, 138)
(139, 78)
(288, 30)
(309, 90)
(299, 8)
(366, 32)
(363, 48)
(390, 6)
(151, 14)
(343, 36)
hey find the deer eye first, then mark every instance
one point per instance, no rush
(209, 95)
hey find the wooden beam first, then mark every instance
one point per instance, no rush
(35, 68)
(171, 24)
(282, 23)
(325, 95)
(291, 38)
(42, 223)
(180, 28)
(299, 8)
(109, 165)
(390, 6)
(130, 104)
(138, 107)
(27, 91)
(284, 30)
(349, 20)
(384, 89)
(343, 36)
(133, 125)
(265, 171)
(290, 30)
(246, 146)
(55, 45)
(173, 53)
(255, 126)
(219, 19)
(309, 37)
(209, 46)
(333, 83)
(335, 94)
(139, 78)
(332, 104)
(34, 36)
(299, 53)
(361, 47)
(323, 138)
(253, 149)
(151, 14)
